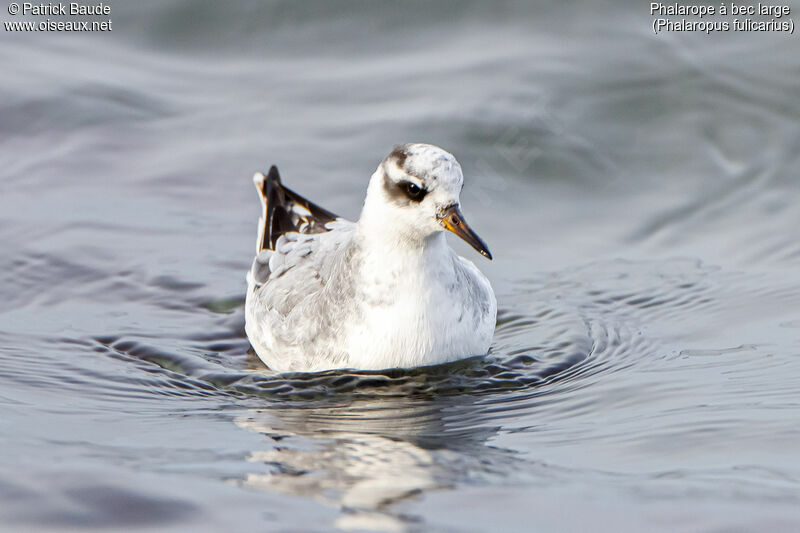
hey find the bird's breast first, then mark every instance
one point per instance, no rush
(417, 320)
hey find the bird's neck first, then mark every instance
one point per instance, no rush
(398, 244)
(390, 239)
(395, 248)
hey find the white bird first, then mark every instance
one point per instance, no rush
(384, 292)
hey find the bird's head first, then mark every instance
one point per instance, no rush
(416, 189)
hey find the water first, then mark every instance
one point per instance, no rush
(639, 194)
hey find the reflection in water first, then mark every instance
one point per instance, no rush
(368, 456)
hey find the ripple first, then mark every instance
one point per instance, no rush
(557, 334)
(570, 346)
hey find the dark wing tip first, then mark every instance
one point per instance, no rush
(273, 174)
(279, 215)
(272, 182)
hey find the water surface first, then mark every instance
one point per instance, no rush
(639, 193)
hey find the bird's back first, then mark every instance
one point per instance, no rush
(296, 279)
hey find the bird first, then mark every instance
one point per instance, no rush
(325, 293)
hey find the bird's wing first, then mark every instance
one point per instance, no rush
(298, 275)
(294, 293)
(310, 257)
(283, 210)
(290, 231)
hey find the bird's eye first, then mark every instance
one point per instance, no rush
(413, 191)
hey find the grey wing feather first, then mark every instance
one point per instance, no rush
(301, 263)
(294, 291)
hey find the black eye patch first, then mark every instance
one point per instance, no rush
(402, 193)
(414, 192)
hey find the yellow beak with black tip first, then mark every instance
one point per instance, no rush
(453, 220)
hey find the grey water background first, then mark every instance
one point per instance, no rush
(639, 193)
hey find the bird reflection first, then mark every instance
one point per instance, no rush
(368, 456)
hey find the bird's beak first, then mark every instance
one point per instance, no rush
(453, 220)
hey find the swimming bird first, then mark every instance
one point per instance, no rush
(384, 292)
